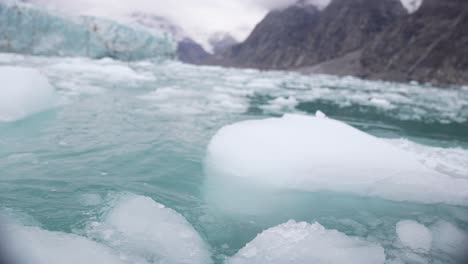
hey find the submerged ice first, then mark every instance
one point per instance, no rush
(28, 30)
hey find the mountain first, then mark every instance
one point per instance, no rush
(189, 51)
(278, 41)
(431, 45)
(348, 25)
(157, 24)
(301, 35)
(221, 42)
(377, 39)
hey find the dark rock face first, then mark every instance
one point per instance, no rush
(301, 35)
(189, 51)
(347, 25)
(279, 41)
(430, 45)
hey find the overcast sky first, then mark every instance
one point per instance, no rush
(199, 18)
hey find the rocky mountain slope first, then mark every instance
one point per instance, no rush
(376, 39)
(301, 35)
(278, 41)
(429, 46)
(221, 42)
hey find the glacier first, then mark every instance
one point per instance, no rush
(28, 30)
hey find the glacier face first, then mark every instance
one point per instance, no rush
(28, 30)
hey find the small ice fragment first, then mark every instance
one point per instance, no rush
(320, 114)
(414, 235)
(449, 238)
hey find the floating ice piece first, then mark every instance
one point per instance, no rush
(414, 235)
(450, 239)
(34, 245)
(320, 114)
(382, 103)
(304, 153)
(297, 243)
(23, 92)
(281, 104)
(29, 30)
(140, 228)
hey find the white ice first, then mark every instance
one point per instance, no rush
(32, 245)
(305, 153)
(146, 231)
(23, 92)
(449, 239)
(414, 235)
(298, 243)
(29, 30)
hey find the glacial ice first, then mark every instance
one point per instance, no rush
(315, 154)
(297, 243)
(142, 229)
(28, 30)
(23, 92)
(414, 235)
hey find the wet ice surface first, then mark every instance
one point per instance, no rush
(144, 128)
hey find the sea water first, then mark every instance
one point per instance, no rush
(114, 168)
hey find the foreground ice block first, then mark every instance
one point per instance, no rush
(315, 154)
(140, 228)
(29, 30)
(23, 91)
(298, 243)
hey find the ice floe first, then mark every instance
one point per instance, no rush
(305, 153)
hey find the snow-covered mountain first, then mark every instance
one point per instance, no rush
(158, 24)
(412, 5)
(221, 41)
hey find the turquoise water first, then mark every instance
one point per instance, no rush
(143, 128)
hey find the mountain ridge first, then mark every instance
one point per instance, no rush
(365, 38)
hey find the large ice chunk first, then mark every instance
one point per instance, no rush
(313, 154)
(23, 91)
(297, 243)
(143, 229)
(29, 30)
(414, 235)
